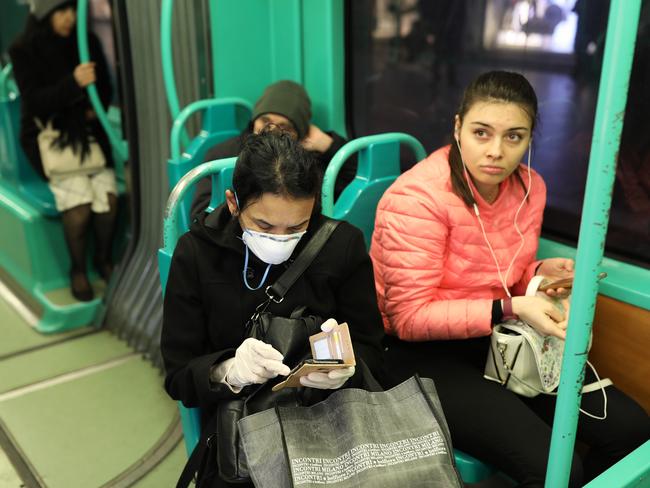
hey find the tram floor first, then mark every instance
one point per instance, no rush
(80, 409)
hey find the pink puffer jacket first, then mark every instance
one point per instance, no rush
(434, 273)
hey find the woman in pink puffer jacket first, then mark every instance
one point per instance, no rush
(453, 251)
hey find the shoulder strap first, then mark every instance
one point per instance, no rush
(277, 291)
(196, 462)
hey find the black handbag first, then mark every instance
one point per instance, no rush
(290, 336)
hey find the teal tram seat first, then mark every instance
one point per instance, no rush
(34, 260)
(223, 118)
(14, 167)
(221, 171)
(378, 167)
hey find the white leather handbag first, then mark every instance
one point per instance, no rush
(528, 363)
(65, 161)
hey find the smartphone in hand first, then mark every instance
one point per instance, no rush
(566, 283)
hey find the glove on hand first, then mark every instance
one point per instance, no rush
(331, 380)
(327, 381)
(255, 362)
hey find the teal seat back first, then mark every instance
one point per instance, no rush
(221, 173)
(222, 119)
(221, 182)
(11, 154)
(15, 169)
(378, 167)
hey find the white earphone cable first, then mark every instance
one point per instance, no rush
(502, 279)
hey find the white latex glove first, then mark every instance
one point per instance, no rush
(331, 380)
(328, 325)
(255, 362)
(541, 315)
(327, 381)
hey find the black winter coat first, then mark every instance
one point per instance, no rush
(43, 67)
(232, 147)
(206, 303)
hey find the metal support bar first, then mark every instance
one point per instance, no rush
(612, 96)
(84, 56)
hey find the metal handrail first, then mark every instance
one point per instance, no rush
(167, 59)
(612, 97)
(84, 57)
(170, 225)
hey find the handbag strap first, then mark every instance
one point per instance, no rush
(195, 464)
(277, 290)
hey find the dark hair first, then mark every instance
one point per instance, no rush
(497, 86)
(35, 28)
(273, 162)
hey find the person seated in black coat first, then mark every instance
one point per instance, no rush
(52, 83)
(285, 106)
(222, 266)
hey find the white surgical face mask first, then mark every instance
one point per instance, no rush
(271, 248)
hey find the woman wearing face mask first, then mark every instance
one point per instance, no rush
(453, 251)
(52, 86)
(222, 266)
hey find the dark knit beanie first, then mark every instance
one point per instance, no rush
(41, 8)
(289, 99)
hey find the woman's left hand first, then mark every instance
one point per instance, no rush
(331, 380)
(556, 269)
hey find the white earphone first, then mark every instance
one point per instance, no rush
(502, 279)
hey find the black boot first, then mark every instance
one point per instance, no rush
(80, 286)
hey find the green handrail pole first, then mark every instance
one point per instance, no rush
(167, 57)
(84, 57)
(612, 96)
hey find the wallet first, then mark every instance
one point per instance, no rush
(329, 350)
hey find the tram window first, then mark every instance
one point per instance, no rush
(408, 61)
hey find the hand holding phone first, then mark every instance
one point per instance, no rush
(566, 283)
(331, 351)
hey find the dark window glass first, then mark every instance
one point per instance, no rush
(409, 60)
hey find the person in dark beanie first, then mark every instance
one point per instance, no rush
(52, 85)
(284, 106)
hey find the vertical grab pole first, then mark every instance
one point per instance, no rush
(167, 57)
(612, 96)
(84, 57)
